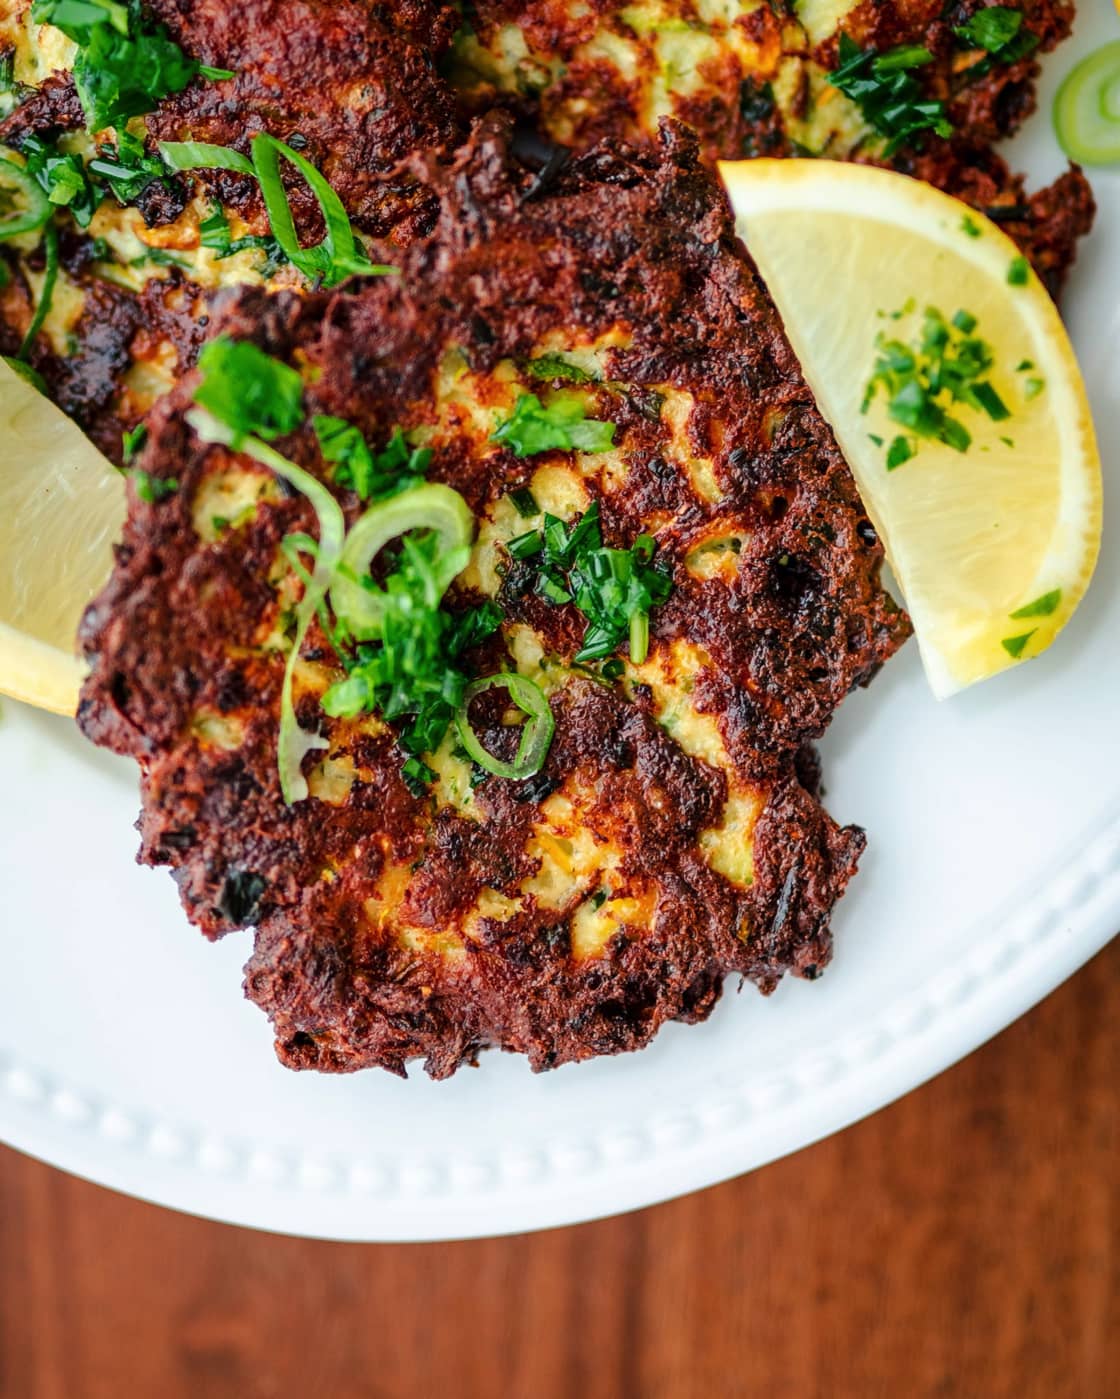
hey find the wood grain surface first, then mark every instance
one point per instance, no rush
(964, 1242)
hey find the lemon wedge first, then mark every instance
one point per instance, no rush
(61, 507)
(989, 506)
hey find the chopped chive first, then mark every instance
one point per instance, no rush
(1018, 272)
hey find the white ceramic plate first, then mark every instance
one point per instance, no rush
(128, 1056)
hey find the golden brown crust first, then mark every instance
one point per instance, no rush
(392, 926)
(756, 85)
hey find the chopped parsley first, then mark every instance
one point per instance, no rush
(217, 235)
(557, 367)
(944, 366)
(374, 476)
(562, 425)
(124, 170)
(900, 450)
(249, 391)
(884, 88)
(152, 489)
(1044, 606)
(133, 440)
(417, 775)
(1015, 645)
(126, 63)
(999, 31)
(1018, 272)
(615, 589)
(127, 169)
(63, 178)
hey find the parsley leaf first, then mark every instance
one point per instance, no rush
(217, 235)
(127, 168)
(1043, 606)
(554, 366)
(562, 425)
(900, 450)
(152, 489)
(125, 64)
(885, 90)
(249, 391)
(63, 178)
(373, 475)
(133, 440)
(124, 170)
(1016, 645)
(615, 589)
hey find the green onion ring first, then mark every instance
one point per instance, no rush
(1087, 108)
(294, 743)
(536, 736)
(38, 210)
(429, 506)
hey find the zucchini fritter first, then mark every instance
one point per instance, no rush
(752, 77)
(669, 839)
(352, 84)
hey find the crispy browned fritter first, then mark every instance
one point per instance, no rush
(669, 839)
(751, 78)
(353, 84)
(353, 81)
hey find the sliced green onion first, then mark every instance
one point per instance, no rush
(46, 295)
(294, 742)
(1087, 108)
(430, 506)
(639, 637)
(38, 209)
(201, 155)
(536, 736)
(339, 255)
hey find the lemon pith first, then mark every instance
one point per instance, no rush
(993, 547)
(61, 507)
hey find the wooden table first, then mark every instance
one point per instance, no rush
(964, 1242)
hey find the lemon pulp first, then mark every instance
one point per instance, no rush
(61, 507)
